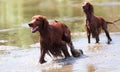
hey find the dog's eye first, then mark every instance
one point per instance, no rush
(37, 19)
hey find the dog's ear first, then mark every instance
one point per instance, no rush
(45, 22)
(91, 9)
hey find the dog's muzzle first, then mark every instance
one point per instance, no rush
(33, 29)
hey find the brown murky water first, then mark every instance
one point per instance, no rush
(97, 58)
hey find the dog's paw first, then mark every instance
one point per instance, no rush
(76, 52)
(42, 61)
(109, 41)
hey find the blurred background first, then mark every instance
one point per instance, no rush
(19, 48)
(15, 14)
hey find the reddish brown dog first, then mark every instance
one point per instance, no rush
(94, 24)
(54, 38)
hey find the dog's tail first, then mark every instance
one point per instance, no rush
(112, 22)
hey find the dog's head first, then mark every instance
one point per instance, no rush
(38, 23)
(87, 7)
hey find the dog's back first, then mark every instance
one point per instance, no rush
(61, 30)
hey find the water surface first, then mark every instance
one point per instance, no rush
(97, 58)
(19, 48)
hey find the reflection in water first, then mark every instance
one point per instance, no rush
(4, 52)
(67, 68)
(96, 47)
(11, 16)
(90, 68)
(104, 59)
(11, 13)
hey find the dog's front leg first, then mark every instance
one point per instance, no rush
(42, 60)
(88, 29)
(88, 35)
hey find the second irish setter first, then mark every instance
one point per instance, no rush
(94, 24)
(54, 38)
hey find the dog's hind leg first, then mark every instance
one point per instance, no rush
(107, 34)
(75, 52)
(67, 38)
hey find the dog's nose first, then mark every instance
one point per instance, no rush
(30, 24)
(83, 7)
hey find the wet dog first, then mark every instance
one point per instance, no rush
(54, 38)
(94, 24)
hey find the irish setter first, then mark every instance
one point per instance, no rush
(54, 38)
(94, 24)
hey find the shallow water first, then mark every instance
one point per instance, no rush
(97, 58)
(19, 48)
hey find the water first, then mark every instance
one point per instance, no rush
(97, 58)
(19, 48)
